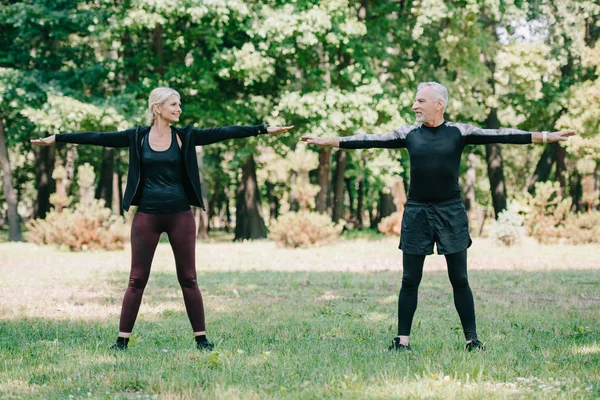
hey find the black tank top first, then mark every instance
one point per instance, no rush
(162, 188)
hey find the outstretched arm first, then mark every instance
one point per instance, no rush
(391, 140)
(213, 135)
(319, 141)
(47, 141)
(474, 135)
(106, 139)
(550, 137)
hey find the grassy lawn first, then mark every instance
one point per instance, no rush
(300, 324)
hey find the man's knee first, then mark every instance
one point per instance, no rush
(459, 281)
(410, 282)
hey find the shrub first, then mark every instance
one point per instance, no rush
(546, 212)
(508, 228)
(84, 227)
(392, 224)
(87, 226)
(304, 229)
(582, 228)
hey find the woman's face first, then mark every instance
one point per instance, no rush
(170, 110)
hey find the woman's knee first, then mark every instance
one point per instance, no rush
(188, 281)
(138, 283)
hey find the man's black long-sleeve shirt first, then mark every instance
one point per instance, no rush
(435, 153)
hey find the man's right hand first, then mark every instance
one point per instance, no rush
(319, 141)
(47, 141)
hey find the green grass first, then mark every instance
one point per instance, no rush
(289, 327)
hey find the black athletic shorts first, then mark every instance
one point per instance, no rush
(444, 223)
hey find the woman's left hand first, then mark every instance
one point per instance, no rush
(278, 129)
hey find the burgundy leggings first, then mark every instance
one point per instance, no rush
(145, 233)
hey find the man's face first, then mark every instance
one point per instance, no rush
(426, 104)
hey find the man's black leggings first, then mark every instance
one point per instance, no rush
(463, 298)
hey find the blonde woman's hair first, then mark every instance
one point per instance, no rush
(158, 96)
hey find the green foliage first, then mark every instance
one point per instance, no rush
(304, 229)
(332, 67)
(62, 114)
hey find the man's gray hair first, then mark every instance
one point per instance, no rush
(440, 91)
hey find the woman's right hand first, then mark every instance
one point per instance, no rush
(47, 141)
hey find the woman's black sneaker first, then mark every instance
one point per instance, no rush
(203, 344)
(121, 344)
(475, 344)
(396, 345)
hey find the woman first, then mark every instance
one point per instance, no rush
(163, 181)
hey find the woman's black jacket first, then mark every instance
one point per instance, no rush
(190, 137)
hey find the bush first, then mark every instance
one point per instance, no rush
(508, 228)
(87, 226)
(304, 229)
(546, 212)
(84, 227)
(582, 228)
(392, 224)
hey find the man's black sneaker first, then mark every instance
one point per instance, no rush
(121, 344)
(203, 344)
(475, 344)
(396, 345)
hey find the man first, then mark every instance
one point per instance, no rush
(434, 212)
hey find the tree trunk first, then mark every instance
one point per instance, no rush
(470, 189)
(273, 201)
(386, 206)
(576, 191)
(360, 207)
(157, 46)
(374, 215)
(543, 167)
(44, 165)
(294, 201)
(350, 192)
(493, 157)
(70, 167)
(493, 152)
(561, 168)
(104, 190)
(338, 195)
(201, 216)
(227, 210)
(14, 228)
(324, 164)
(249, 221)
